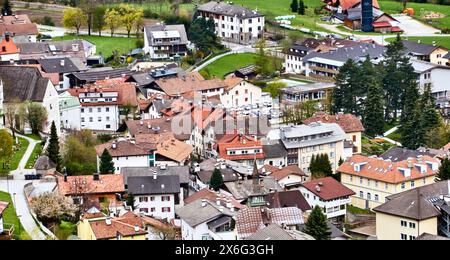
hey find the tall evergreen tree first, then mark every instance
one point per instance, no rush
(346, 90)
(106, 163)
(410, 117)
(53, 147)
(374, 109)
(430, 117)
(294, 6)
(444, 171)
(6, 9)
(301, 8)
(216, 180)
(317, 225)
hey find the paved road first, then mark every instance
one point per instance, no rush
(235, 48)
(15, 189)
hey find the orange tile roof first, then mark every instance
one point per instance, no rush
(387, 171)
(348, 122)
(75, 185)
(279, 174)
(347, 4)
(239, 141)
(126, 94)
(174, 150)
(125, 226)
(3, 206)
(175, 86)
(8, 47)
(232, 81)
(329, 188)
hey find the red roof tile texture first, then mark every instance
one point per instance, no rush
(327, 188)
(348, 122)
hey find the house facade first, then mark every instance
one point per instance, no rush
(234, 23)
(239, 93)
(162, 42)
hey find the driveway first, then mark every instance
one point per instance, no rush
(19, 174)
(413, 27)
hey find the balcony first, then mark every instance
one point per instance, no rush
(323, 69)
(8, 232)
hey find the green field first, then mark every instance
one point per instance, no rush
(10, 217)
(441, 41)
(15, 160)
(36, 153)
(221, 67)
(105, 45)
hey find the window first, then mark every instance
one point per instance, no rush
(369, 196)
(165, 209)
(360, 180)
(91, 119)
(108, 126)
(413, 184)
(143, 199)
(165, 198)
(403, 223)
(354, 138)
(99, 109)
(152, 209)
(82, 110)
(99, 119)
(90, 110)
(107, 119)
(403, 185)
(361, 194)
(82, 120)
(107, 109)
(152, 198)
(376, 197)
(403, 237)
(412, 225)
(143, 210)
(412, 238)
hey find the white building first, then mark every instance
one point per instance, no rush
(20, 84)
(328, 194)
(9, 51)
(69, 108)
(234, 23)
(239, 93)
(293, 59)
(156, 196)
(205, 220)
(163, 42)
(63, 66)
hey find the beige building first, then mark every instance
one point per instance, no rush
(351, 125)
(426, 52)
(374, 179)
(407, 215)
(305, 141)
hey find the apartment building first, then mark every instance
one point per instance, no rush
(295, 95)
(374, 179)
(234, 23)
(410, 214)
(165, 41)
(241, 148)
(100, 107)
(63, 66)
(304, 141)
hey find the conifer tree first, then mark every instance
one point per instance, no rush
(106, 163)
(444, 171)
(294, 6)
(430, 117)
(216, 180)
(301, 8)
(6, 9)
(347, 84)
(53, 152)
(374, 109)
(317, 225)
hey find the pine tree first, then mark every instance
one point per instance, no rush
(131, 200)
(53, 147)
(374, 109)
(294, 6)
(6, 10)
(301, 8)
(216, 180)
(430, 117)
(106, 163)
(410, 117)
(312, 164)
(325, 165)
(346, 90)
(341, 161)
(444, 171)
(317, 225)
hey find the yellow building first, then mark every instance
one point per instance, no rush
(351, 125)
(426, 52)
(302, 142)
(407, 215)
(95, 225)
(373, 179)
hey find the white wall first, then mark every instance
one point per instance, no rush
(9, 57)
(70, 118)
(51, 104)
(314, 200)
(157, 204)
(238, 97)
(1, 224)
(291, 179)
(293, 64)
(93, 112)
(193, 233)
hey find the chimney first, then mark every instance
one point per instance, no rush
(317, 188)
(96, 177)
(108, 221)
(218, 201)
(203, 203)
(7, 37)
(155, 175)
(136, 228)
(229, 205)
(62, 63)
(114, 145)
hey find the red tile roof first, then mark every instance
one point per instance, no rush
(348, 122)
(3, 206)
(126, 94)
(212, 197)
(387, 171)
(347, 4)
(8, 47)
(239, 141)
(329, 188)
(75, 185)
(279, 174)
(124, 226)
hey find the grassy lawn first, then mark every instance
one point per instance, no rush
(355, 210)
(105, 45)
(64, 230)
(37, 151)
(10, 217)
(440, 40)
(34, 137)
(370, 147)
(273, 8)
(17, 156)
(228, 64)
(393, 7)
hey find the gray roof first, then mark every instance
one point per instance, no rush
(357, 53)
(247, 70)
(396, 154)
(275, 150)
(241, 190)
(59, 46)
(228, 175)
(94, 75)
(337, 134)
(163, 27)
(181, 171)
(194, 214)
(417, 203)
(23, 84)
(228, 10)
(53, 65)
(415, 48)
(271, 232)
(356, 13)
(427, 236)
(167, 184)
(305, 88)
(447, 56)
